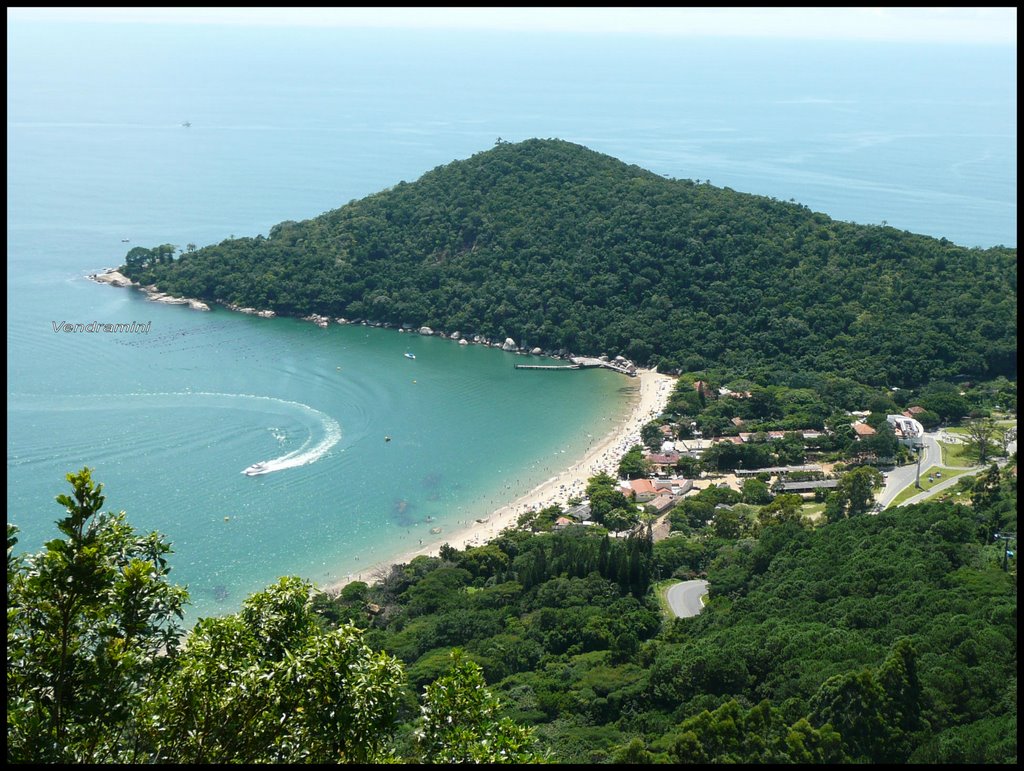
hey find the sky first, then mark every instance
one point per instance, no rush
(990, 25)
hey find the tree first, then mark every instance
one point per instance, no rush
(604, 496)
(854, 494)
(270, 685)
(687, 467)
(875, 711)
(98, 670)
(460, 722)
(756, 492)
(786, 507)
(1004, 437)
(633, 464)
(87, 621)
(732, 734)
(980, 432)
(618, 520)
(947, 404)
(651, 436)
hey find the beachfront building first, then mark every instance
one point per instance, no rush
(580, 513)
(642, 489)
(662, 461)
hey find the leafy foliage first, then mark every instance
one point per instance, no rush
(98, 671)
(87, 620)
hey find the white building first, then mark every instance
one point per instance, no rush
(908, 431)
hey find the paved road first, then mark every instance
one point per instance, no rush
(684, 597)
(904, 476)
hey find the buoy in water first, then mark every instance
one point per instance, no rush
(226, 518)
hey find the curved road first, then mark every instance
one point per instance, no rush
(904, 476)
(684, 597)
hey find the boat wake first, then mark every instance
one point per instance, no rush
(305, 454)
(314, 448)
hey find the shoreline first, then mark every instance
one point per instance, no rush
(648, 403)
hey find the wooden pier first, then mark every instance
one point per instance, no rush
(547, 366)
(580, 362)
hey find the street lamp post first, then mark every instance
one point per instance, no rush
(918, 448)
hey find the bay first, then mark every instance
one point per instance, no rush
(289, 123)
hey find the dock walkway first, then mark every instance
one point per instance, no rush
(547, 366)
(582, 362)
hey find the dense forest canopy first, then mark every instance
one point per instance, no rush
(884, 639)
(561, 247)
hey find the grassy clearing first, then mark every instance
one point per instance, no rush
(812, 511)
(927, 483)
(956, 455)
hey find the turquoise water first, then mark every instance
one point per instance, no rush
(370, 449)
(288, 124)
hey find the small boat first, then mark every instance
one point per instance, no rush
(410, 355)
(186, 124)
(387, 438)
(256, 469)
(124, 240)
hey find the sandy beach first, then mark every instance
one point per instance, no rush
(648, 404)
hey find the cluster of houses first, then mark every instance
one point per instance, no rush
(906, 427)
(660, 495)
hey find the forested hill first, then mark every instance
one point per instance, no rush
(557, 246)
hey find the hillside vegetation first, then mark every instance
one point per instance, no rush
(879, 639)
(561, 247)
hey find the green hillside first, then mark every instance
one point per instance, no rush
(557, 246)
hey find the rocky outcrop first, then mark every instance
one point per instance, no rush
(113, 278)
(509, 345)
(320, 321)
(426, 331)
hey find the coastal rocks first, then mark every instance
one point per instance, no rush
(320, 321)
(161, 297)
(463, 341)
(341, 320)
(249, 311)
(426, 331)
(113, 278)
(456, 336)
(536, 352)
(509, 345)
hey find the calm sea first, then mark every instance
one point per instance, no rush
(287, 124)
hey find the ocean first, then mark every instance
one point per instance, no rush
(290, 123)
